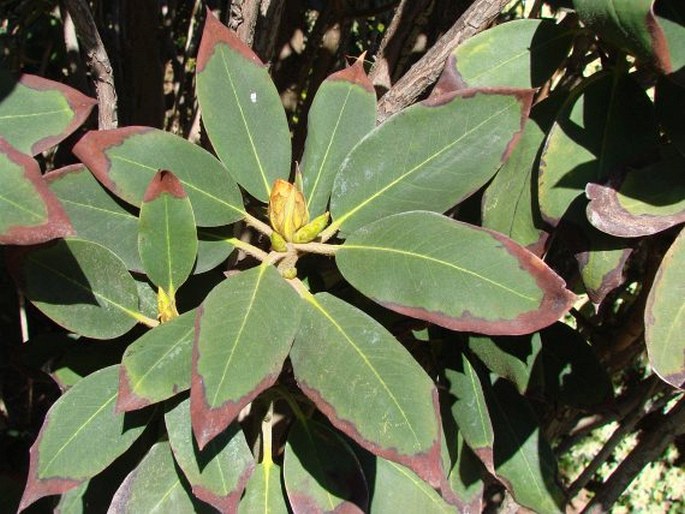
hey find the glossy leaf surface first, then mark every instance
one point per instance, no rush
(153, 486)
(341, 355)
(125, 160)
(94, 214)
(430, 156)
(241, 110)
(37, 113)
(244, 331)
(264, 493)
(520, 53)
(80, 285)
(81, 435)
(29, 212)
(456, 275)
(343, 111)
(321, 472)
(167, 238)
(594, 136)
(157, 365)
(218, 473)
(523, 460)
(665, 316)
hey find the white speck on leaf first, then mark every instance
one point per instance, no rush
(253, 97)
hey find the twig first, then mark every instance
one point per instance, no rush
(651, 446)
(246, 22)
(97, 61)
(477, 17)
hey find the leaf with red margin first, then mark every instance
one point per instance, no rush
(427, 266)
(29, 212)
(36, 113)
(665, 316)
(671, 17)
(125, 160)
(156, 366)
(81, 435)
(219, 473)
(167, 237)
(641, 202)
(607, 123)
(241, 110)
(321, 473)
(244, 330)
(429, 156)
(368, 385)
(94, 214)
(155, 486)
(343, 111)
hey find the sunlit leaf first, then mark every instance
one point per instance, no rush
(264, 492)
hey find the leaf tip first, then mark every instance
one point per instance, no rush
(214, 33)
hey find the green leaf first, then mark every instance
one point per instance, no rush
(213, 247)
(157, 365)
(509, 203)
(458, 276)
(154, 487)
(641, 202)
(321, 472)
(465, 477)
(245, 329)
(340, 355)
(469, 410)
(631, 26)
(429, 156)
(671, 17)
(520, 53)
(94, 214)
(167, 239)
(343, 111)
(397, 489)
(29, 212)
(582, 148)
(80, 285)
(125, 160)
(36, 113)
(523, 460)
(264, 493)
(241, 110)
(81, 435)
(665, 316)
(217, 474)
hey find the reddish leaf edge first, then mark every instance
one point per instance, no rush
(164, 182)
(228, 503)
(355, 75)
(57, 223)
(80, 104)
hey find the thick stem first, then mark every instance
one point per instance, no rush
(249, 249)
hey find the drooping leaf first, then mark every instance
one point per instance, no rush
(343, 111)
(607, 123)
(217, 474)
(523, 460)
(510, 201)
(154, 486)
(641, 202)
(241, 110)
(80, 285)
(29, 212)
(245, 328)
(631, 26)
(520, 53)
(264, 492)
(430, 156)
(469, 410)
(665, 316)
(321, 473)
(125, 160)
(81, 435)
(213, 247)
(94, 214)
(36, 113)
(398, 489)
(157, 365)
(167, 238)
(458, 276)
(340, 355)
